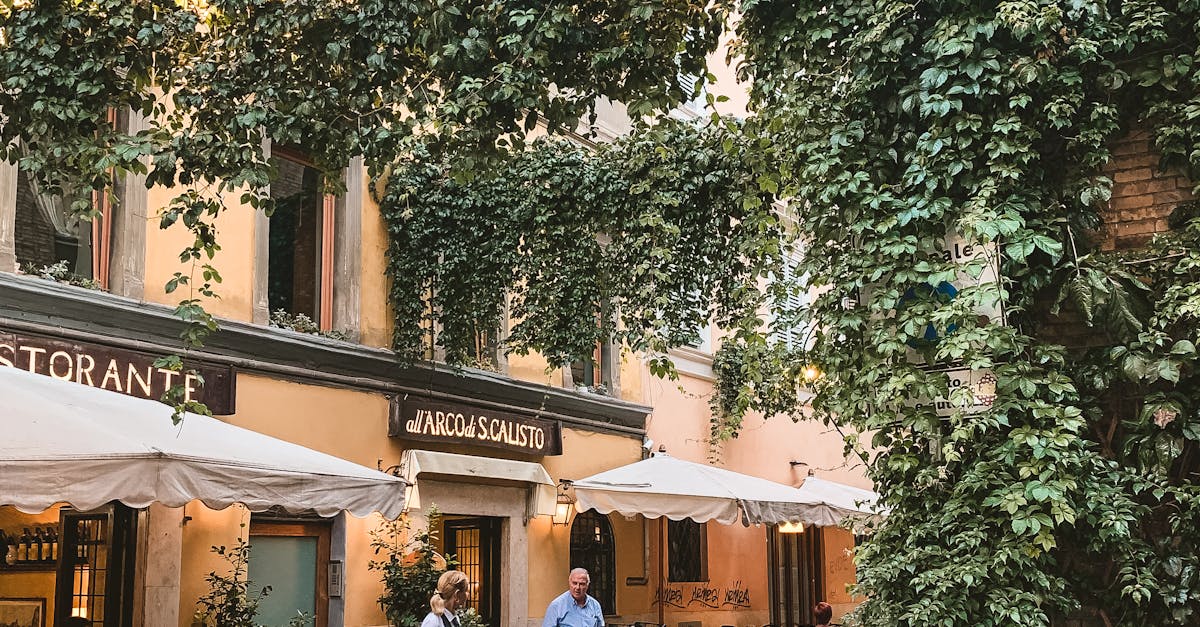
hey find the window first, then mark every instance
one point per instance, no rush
(791, 297)
(687, 559)
(695, 101)
(595, 371)
(475, 542)
(703, 339)
(46, 232)
(300, 249)
(797, 579)
(94, 585)
(592, 547)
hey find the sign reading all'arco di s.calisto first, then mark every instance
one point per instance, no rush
(431, 420)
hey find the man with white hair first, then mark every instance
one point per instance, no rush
(574, 608)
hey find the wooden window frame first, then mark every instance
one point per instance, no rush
(119, 546)
(328, 234)
(101, 230)
(491, 548)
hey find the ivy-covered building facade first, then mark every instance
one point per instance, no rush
(303, 355)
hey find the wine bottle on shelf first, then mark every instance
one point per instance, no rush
(3, 548)
(39, 544)
(53, 533)
(23, 546)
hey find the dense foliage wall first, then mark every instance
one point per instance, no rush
(886, 128)
(900, 123)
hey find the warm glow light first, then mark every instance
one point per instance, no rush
(791, 527)
(562, 512)
(810, 373)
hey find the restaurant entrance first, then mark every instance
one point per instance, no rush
(68, 568)
(796, 574)
(475, 542)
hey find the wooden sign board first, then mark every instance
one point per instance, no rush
(431, 420)
(118, 370)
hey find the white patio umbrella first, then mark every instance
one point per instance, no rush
(836, 500)
(663, 486)
(65, 442)
(667, 486)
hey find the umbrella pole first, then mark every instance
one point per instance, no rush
(662, 569)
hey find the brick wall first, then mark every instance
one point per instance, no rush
(1142, 199)
(1142, 195)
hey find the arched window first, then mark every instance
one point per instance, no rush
(592, 548)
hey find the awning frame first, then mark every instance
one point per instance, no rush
(541, 490)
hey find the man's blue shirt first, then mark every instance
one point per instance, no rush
(565, 612)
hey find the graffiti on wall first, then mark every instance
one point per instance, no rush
(704, 595)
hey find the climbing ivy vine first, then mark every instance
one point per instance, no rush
(213, 80)
(898, 135)
(884, 128)
(903, 127)
(642, 242)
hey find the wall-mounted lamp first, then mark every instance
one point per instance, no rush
(791, 527)
(562, 509)
(396, 470)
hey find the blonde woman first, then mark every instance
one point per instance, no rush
(452, 593)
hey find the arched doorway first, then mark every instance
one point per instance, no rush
(592, 548)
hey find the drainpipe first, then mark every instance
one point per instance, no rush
(662, 569)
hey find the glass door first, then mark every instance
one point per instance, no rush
(797, 575)
(94, 583)
(475, 542)
(293, 559)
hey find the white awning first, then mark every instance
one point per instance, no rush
(454, 467)
(838, 499)
(666, 486)
(65, 442)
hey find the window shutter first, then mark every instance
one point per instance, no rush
(795, 298)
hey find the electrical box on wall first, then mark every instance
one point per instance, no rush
(337, 572)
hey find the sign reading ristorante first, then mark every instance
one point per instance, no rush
(118, 370)
(431, 420)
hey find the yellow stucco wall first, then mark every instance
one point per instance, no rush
(234, 261)
(839, 571)
(532, 368)
(353, 425)
(346, 423)
(203, 529)
(375, 323)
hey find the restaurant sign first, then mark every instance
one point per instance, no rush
(429, 420)
(128, 372)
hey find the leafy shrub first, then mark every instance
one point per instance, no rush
(301, 323)
(60, 272)
(411, 566)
